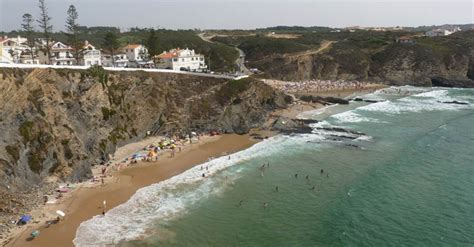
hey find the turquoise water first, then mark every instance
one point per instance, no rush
(408, 181)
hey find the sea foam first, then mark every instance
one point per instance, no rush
(170, 198)
(423, 101)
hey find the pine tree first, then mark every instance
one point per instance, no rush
(28, 27)
(72, 28)
(45, 25)
(152, 44)
(111, 44)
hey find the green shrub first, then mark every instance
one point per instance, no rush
(107, 113)
(26, 131)
(13, 151)
(232, 89)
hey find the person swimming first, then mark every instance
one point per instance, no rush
(265, 205)
(276, 189)
(314, 187)
(296, 175)
(322, 171)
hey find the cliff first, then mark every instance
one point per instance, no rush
(365, 56)
(60, 122)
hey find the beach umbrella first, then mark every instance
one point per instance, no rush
(35, 233)
(25, 218)
(60, 213)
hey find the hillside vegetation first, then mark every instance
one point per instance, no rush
(361, 55)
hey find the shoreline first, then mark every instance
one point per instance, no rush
(85, 202)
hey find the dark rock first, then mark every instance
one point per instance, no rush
(323, 100)
(292, 126)
(444, 82)
(367, 100)
(454, 102)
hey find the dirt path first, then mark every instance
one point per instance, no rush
(326, 44)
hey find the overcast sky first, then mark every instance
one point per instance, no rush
(245, 14)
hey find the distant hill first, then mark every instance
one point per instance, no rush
(364, 56)
(464, 27)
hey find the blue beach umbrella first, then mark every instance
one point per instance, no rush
(25, 218)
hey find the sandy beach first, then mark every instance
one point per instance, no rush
(86, 200)
(84, 203)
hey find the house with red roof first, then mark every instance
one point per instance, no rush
(177, 59)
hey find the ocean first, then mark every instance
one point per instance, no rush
(399, 172)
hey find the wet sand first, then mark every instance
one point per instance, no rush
(84, 203)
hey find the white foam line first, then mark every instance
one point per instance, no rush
(166, 199)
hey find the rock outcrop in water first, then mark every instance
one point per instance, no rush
(63, 121)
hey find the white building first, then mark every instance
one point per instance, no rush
(11, 49)
(62, 54)
(186, 59)
(120, 60)
(90, 56)
(135, 52)
(442, 32)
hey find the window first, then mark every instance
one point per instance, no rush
(182, 59)
(175, 60)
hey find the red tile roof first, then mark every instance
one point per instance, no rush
(168, 55)
(132, 46)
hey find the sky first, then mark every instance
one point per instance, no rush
(243, 14)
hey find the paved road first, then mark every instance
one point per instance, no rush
(35, 66)
(239, 63)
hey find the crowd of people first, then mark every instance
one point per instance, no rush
(318, 85)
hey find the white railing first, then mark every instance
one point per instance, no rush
(81, 67)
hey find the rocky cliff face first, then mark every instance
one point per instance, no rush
(62, 121)
(446, 61)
